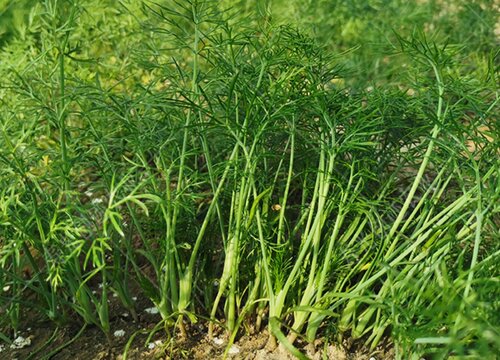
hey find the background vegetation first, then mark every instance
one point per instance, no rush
(321, 168)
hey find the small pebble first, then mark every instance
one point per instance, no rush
(217, 341)
(97, 201)
(233, 350)
(119, 333)
(152, 345)
(152, 310)
(20, 342)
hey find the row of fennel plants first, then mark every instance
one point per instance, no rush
(239, 184)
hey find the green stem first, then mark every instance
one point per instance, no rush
(62, 119)
(423, 166)
(287, 186)
(475, 252)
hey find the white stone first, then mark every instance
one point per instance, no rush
(152, 310)
(217, 341)
(152, 345)
(119, 333)
(20, 342)
(233, 350)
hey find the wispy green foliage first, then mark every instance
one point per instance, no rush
(338, 171)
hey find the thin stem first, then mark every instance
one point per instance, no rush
(423, 166)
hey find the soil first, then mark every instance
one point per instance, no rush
(64, 343)
(151, 340)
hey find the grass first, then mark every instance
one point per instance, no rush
(337, 178)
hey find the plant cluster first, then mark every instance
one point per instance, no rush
(227, 168)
